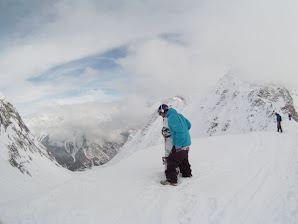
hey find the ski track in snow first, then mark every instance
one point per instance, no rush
(250, 178)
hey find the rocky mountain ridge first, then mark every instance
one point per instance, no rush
(80, 156)
(235, 106)
(73, 151)
(231, 107)
(19, 147)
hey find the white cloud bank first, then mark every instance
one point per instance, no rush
(174, 47)
(256, 39)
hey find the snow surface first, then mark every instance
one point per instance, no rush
(294, 95)
(245, 178)
(45, 173)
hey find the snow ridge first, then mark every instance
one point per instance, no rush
(231, 107)
(19, 147)
(234, 106)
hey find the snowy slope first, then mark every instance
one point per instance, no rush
(150, 134)
(295, 98)
(231, 107)
(244, 173)
(247, 178)
(235, 106)
(25, 165)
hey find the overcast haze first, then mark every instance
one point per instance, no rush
(68, 52)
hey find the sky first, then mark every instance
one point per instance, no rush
(64, 52)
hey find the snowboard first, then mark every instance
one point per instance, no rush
(168, 140)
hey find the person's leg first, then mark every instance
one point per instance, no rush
(172, 165)
(184, 166)
(173, 162)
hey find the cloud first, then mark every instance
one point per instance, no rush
(173, 47)
(90, 75)
(72, 30)
(97, 121)
(78, 81)
(2, 95)
(163, 68)
(89, 96)
(255, 39)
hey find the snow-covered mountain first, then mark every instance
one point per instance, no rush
(70, 143)
(26, 167)
(231, 107)
(234, 106)
(18, 146)
(243, 173)
(294, 94)
(241, 178)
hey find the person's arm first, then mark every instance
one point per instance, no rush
(188, 123)
(178, 135)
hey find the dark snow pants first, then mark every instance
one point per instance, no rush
(279, 126)
(177, 160)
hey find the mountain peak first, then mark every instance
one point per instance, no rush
(232, 107)
(231, 78)
(19, 147)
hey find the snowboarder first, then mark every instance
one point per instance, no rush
(290, 117)
(278, 119)
(178, 158)
(167, 136)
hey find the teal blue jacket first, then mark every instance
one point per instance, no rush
(179, 127)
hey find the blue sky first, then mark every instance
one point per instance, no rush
(88, 74)
(89, 79)
(70, 51)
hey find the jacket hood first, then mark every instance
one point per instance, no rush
(171, 111)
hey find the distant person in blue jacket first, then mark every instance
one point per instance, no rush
(290, 117)
(278, 119)
(178, 158)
